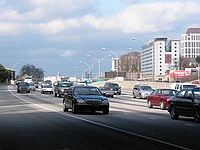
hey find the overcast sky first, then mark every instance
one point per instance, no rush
(57, 34)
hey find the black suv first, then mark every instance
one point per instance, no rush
(114, 87)
(185, 103)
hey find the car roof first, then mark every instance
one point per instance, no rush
(166, 89)
(83, 86)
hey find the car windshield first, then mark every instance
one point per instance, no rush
(86, 91)
(146, 88)
(65, 84)
(168, 92)
(114, 85)
(189, 86)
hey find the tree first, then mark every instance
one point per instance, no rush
(4, 74)
(31, 70)
(197, 59)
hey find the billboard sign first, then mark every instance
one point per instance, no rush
(181, 74)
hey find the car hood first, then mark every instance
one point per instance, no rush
(91, 97)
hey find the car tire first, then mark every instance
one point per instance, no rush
(197, 115)
(162, 105)
(74, 109)
(112, 96)
(173, 113)
(64, 107)
(106, 111)
(140, 96)
(149, 104)
(134, 95)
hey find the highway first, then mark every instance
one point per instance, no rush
(36, 121)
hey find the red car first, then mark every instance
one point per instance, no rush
(159, 97)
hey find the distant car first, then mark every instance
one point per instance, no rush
(159, 97)
(107, 91)
(82, 98)
(142, 90)
(47, 89)
(23, 87)
(113, 86)
(61, 88)
(185, 103)
(32, 86)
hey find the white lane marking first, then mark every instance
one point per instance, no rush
(103, 125)
(153, 118)
(190, 125)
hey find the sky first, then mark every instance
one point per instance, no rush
(65, 36)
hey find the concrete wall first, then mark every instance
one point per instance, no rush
(128, 85)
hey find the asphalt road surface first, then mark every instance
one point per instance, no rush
(36, 121)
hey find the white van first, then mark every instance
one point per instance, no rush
(180, 86)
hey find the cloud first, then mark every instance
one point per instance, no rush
(67, 53)
(148, 18)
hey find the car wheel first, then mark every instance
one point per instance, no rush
(162, 105)
(149, 104)
(173, 113)
(74, 109)
(112, 96)
(106, 111)
(197, 115)
(64, 107)
(134, 95)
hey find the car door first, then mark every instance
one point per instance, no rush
(157, 97)
(69, 98)
(178, 100)
(188, 103)
(153, 97)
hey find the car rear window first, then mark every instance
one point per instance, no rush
(146, 88)
(86, 91)
(168, 92)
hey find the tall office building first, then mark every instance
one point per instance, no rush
(190, 43)
(158, 57)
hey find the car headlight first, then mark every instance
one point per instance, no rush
(81, 101)
(105, 102)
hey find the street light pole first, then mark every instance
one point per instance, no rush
(83, 72)
(89, 68)
(99, 63)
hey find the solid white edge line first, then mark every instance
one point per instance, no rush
(103, 125)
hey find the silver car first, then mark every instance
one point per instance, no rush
(142, 91)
